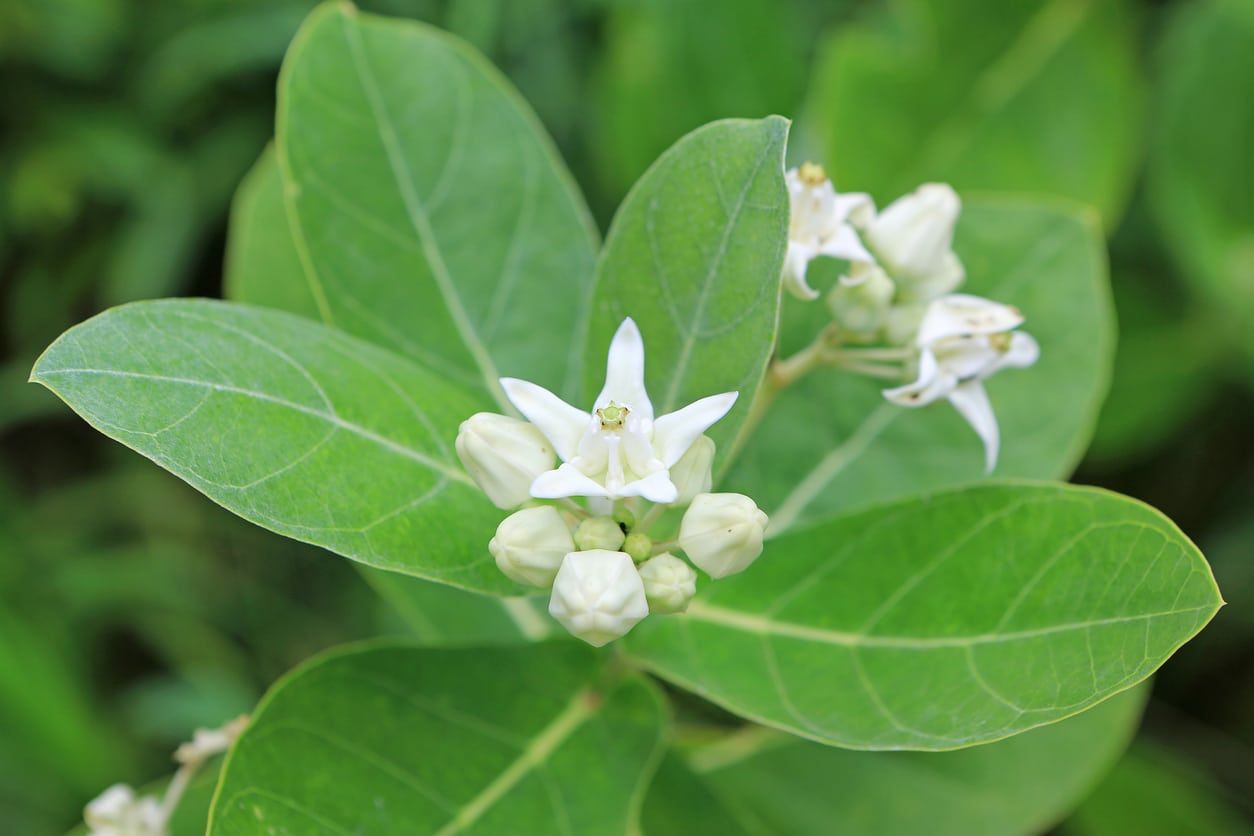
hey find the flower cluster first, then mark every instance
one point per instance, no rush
(605, 571)
(897, 301)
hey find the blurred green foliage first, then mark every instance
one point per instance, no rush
(131, 610)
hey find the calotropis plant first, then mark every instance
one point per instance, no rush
(364, 392)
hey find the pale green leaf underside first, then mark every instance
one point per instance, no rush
(475, 741)
(1041, 96)
(832, 443)
(431, 211)
(942, 622)
(292, 425)
(775, 783)
(694, 256)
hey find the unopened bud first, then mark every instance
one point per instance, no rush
(860, 302)
(722, 533)
(529, 545)
(624, 517)
(598, 595)
(669, 583)
(693, 473)
(638, 546)
(504, 456)
(599, 533)
(913, 238)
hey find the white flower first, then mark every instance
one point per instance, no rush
(669, 583)
(913, 239)
(504, 456)
(963, 340)
(118, 812)
(694, 472)
(529, 545)
(617, 449)
(598, 595)
(819, 226)
(722, 533)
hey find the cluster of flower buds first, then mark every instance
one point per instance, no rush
(605, 571)
(897, 302)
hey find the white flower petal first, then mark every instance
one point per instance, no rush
(795, 263)
(972, 403)
(960, 314)
(931, 384)
(855, 207)
(656, 487)
(562, 424)
(675, 432)
(1023, 351)
(845, 243)
(624, 372)
(567, 480)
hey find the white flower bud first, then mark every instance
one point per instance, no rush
(529, 545)
(599, 533)
(504, 456)
(118, 812)
(598, 595)
(722, 533)
(638, 546)
(913, 238)
(860, 302)
(669, 583)
(693, 473)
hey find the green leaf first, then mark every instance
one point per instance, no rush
(1200, 176)
(292, 425)
(669, 67)
(431, 211)
(942, 622)
(1154, 792)
(263, 266)
(694, 256)
(1022, 785)
(832, 443)
(1037, 96)
(445, 616)
(396, 739)
(679, 803)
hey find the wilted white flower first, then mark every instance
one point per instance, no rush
(963, 340)
(669, 583)
(206, 743)
(694, 472)
(119, 812)
(617, 449)
(504, 456)
(598, 595)
(529, 545)
(819, 226)
(722, 533)
(913, 240)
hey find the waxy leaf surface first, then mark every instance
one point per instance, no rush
(694, 256)
(431, 211)
(294, 426)
(941, 622)
(396, 739)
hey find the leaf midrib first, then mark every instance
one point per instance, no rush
(331, 418)
(761, 626)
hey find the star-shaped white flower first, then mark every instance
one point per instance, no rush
(819, 225)
(617, 449)
(963, 340)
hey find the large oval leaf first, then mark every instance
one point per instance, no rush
(294, 426)
(694, 256)
(396, 739)
(942, 622)
(1023, 785)
(432, 212)
(1038, 96)
(832, 443)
